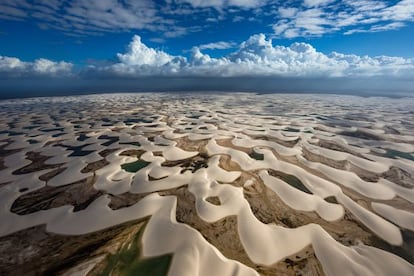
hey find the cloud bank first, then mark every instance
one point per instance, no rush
(255, 57)
(14, 67)
(256, 65)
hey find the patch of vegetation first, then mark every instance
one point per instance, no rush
(129, 261)
(193, 164)
(214, 200)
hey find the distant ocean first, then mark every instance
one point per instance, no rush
(19, 95)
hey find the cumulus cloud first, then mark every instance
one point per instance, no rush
(14, 67)
(256, 56)
(255, 65)
(139, 54)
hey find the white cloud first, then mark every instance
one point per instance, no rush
(139, 54)
(11, 63)
(94, 17)
(141, 60)
(87, 17)
(170, 18)
(377, 28)
(224, 3)
(287, 12)
(313, 3)
(403, 10)
(11, 12)
(159, 40)
(318, 17)
(48, 67)
(257, 57)
(176, 31)
(109, 14)
(221, 45)
(14, 67)
(238, 18)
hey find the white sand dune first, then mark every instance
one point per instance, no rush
(280, 136)
(301, 201)
(402, 218)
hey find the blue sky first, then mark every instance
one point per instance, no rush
(91, 40)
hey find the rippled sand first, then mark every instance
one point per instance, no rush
(207, 184)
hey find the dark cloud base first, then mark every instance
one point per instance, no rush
(18, 88)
